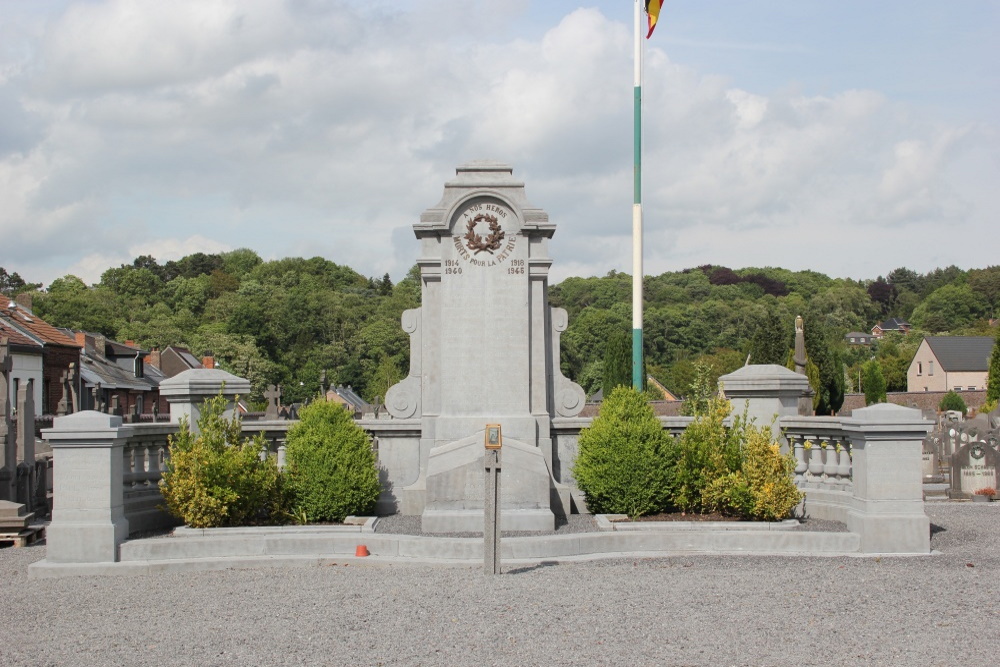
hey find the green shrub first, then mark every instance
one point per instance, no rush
(705, 452)
(952, 401)
(217, 478)
(622, 466)
(331, 465)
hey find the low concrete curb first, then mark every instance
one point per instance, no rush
(323, 545)
(621, 523)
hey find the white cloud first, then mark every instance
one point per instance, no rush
(326, 128)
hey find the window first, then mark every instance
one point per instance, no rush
(970, 388)
(930, 368)
(920, 368)
(958, 389)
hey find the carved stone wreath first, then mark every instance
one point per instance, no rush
(477, 243)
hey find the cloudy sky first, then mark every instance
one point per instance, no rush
(849, 137)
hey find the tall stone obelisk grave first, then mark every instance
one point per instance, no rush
(484, 348)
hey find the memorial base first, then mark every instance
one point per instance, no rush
(471, 521)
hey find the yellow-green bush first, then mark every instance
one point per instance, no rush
(217, 478)
(763, 488)
(704, 453)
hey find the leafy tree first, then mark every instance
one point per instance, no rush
(993, 381)
(332, 469)
(622, 466)
(874, 383)
(11, 284)
(986, 284)
(952, 401)
(947, 308)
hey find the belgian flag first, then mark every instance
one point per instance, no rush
(653, 12)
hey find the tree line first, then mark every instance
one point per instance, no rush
(291, 320)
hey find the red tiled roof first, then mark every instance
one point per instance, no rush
(15, 336)
(35, 326)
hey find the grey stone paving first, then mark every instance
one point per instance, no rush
(690, 610)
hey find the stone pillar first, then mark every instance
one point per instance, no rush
(765, 390)
(88, 517)
(887, 509)
(188, 391)
(26, 444)
(8, 446)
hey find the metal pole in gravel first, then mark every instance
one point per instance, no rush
(491, 512)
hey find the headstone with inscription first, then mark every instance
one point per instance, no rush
(484, 348)
(974, 467)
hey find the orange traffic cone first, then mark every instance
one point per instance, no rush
(361, 551)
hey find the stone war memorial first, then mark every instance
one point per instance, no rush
(484, 348)
(484, 357)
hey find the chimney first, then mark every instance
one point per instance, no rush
(24, 300)
(154, 358)
(87, 342)
(130, 343)
(100, 344)
(208, 361)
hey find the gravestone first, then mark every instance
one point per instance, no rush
(974, 467)
(273, 396)
(484, 348)
(8, 444)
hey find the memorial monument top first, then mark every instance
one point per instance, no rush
(484, 345)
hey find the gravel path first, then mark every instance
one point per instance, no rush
(685, 610)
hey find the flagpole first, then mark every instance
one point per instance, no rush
(637, 378)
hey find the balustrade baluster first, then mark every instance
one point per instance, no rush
(830, 462)
(844, 467)
(281, 457)
(800, 459)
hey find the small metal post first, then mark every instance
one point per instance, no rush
(491, 512)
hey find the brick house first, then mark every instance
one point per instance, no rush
(945, 363)
(894, 324)
(58, 351)
(119, 376)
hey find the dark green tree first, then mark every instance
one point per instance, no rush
(873, 382)
(617, 362)
(770, 341)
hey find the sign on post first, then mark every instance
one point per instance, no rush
(493, 441)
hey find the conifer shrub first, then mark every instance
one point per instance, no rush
(331, 465)
(217, 478)
(623, 465)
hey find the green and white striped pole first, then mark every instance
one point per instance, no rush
(637, 379)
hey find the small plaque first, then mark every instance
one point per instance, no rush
(494, 440)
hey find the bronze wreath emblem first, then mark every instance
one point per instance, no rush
(475, 242)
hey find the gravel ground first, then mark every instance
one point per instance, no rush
(684, 610)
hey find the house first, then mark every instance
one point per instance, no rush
(174, 360)
(41, 352)
(945, 363)
(894, 324)
(859, 338)
(116, 378)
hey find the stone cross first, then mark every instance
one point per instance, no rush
(8, 446)
(62, 409)
(26, 423)
(322, 384)
(98, 398)
(74, 403)
(273, 396)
